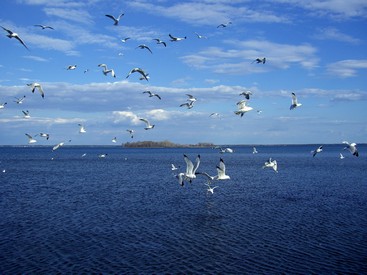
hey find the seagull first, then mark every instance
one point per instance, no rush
(19, 100)
(106, 70)
(189, 105)
(2, 106)
(272, 164)
(214, 115)
(116, 20)
(175, 39)
(102, 155)
(259, 112)
(82, 129)
(224, 25)
(160, 42)
(114, 140)
(125, 39)
(341, 156)
(259, 60)
(242, 108)
(173, 167)
(44, 27)
(86, 70)
(57, 146)
(142, 78)
(191, 98)
(315, 152)
(47, 136)
(71, 67)
(352, 147)
(152, 94)
(131, 132)
(295, 103)
(246, 94)
(26, 114)
(30, 139)
(38, 86)
(14, 35)
(200, 36)
(221, 172)
(254, 151)
(143, 46)
(140, 71)
(149, 126)
(190, 173)
(210, 189)
(225, 150)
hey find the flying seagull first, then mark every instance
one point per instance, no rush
(210, 189)
(81, 129)
(2, 105)
(114, 140)
(71, 67)
(190, 173)
(116, 20)
(173, 167)
(125, 39)
(106, 70)
(175, 39)
(246, 94)
(131, 132)
(341, 156)
(160, 42)
(200, 36)
(57, 146)
(295, 103)
(143, 46)
(224, 25)
(191, 98)
(254, 151)
(14, 35)
(44, 27)
(271, 164)
(352, 148)
(30, 139)
(242, 108)
(19, 100)
(47, 136)
(140, 71)
(38, 86)
(315, 152)
(26, 114)
(259, 60)
(152, 94)
(189, 105)
(149, 126)
(221, 172)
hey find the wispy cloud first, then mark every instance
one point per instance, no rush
(332, 33)
(36, 58)
(347, 68)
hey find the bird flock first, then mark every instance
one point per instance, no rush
(242, 106)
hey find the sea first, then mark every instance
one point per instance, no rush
(73, 212)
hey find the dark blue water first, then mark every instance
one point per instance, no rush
(126, 213)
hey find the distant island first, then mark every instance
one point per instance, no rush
(164, 144)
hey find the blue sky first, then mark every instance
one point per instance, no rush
(316, 49)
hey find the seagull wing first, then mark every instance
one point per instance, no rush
(21, 41)
(189, 165)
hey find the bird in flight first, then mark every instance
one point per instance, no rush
(14, 35)
(246, 94)
(175, 39)
(152, 94)
(30, 139)
(259, 60)
(224, 25)
(38, 86)
(115, 20)
(315, 152)
(271, 164)
(131, 132)
(295, 103)
(352, 148)
(160, 42)
(149, 126)
(242, 108)
(44, 27)
(71, 67)
(143, 46)
(19, 100)
(140, 71)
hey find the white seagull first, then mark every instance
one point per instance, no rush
(47, 136)
(352, 148)
(26, 114)
(38, 86)
(131, 132)
(221, 172)
(102, 155)
(315, 152)
(191, 98)
(259, 60)
(115, 20)
(152, 94)
(295, 103)
(189, 105)
(175, 39)
(149, 126)
(19, 100)
(143, 46)
(341, 156)
(81, 129)
(71, 67)
(210, 189)
(224, 25)
(242, 108)
(125, 39)
(271, 164)
(2, 105)
(140, 71)
(44, 27)
(14, 35)
(30, 139)
(160, 42)
(246, 94)
(190, 173)
(254, 151)
(57, 146)
(200, 36)
(173, 167)
(114, 140)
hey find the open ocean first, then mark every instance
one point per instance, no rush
(127, 214)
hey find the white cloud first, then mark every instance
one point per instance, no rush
(36, 58)
(331, 33)
(125, 116)
(347, 68)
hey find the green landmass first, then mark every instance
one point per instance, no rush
(164, 144)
